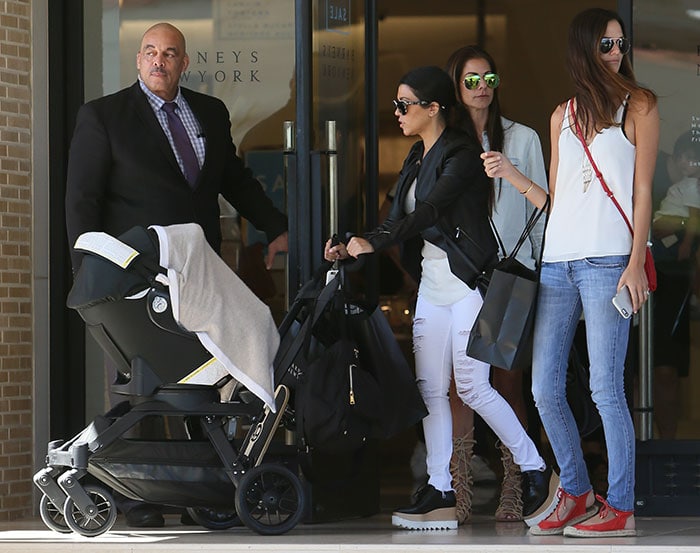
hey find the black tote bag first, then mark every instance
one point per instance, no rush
(502, 332)
(339, 347)
(337, 398)
(401, 403)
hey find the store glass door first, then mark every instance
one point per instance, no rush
(327, 140)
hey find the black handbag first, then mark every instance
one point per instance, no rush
(323, 347)
(473, 274)
(337, 399)
(337, 405)
(502, 332)
(400, 404)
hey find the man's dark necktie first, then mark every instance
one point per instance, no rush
(182, 143)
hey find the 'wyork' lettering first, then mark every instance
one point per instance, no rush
(237, 76)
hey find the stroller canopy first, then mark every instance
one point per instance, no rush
(101, 280)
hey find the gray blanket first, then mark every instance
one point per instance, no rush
(210, 300)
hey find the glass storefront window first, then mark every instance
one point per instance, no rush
(667, 59)
(243, 51)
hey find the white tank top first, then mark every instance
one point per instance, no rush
(584, 222)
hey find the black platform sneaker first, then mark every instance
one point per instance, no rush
(432, 510)
(539, 494)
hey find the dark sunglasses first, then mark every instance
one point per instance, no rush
(471, 82)
(402, 105)
(607, 44)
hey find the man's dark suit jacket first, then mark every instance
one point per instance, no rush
(122, 172)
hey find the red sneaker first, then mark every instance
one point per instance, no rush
(570, 509)
(608, 523)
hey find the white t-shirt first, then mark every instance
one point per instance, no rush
(680, 196)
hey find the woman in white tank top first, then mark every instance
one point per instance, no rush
(590, 255)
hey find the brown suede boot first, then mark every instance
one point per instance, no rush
(510, 504)
(462, 481)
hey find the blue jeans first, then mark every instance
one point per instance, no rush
(567, 289)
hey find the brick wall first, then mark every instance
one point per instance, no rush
(15, 261)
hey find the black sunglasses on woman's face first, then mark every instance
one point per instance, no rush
(607, 44)
(402, 105)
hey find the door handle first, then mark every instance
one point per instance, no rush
(332, 154)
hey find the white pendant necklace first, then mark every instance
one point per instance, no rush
(587, 172)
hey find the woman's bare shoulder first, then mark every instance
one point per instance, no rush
(558, 115)
(642, 102)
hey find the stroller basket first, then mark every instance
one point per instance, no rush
(193, 475)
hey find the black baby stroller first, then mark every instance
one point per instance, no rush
(214, 468)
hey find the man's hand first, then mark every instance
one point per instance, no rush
(278, 245)
(334, 252)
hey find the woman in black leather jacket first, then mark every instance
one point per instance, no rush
(440, 215)
(452, 198)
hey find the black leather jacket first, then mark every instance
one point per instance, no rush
(451, 201)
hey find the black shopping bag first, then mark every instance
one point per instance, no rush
(502, 332)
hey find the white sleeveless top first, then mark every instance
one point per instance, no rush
(584, 222)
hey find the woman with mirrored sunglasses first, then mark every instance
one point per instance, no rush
(589, 256)
(475, 78)
(442, 191)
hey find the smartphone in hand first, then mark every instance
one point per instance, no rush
(623, 302)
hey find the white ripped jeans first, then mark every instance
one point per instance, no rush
(440, 334)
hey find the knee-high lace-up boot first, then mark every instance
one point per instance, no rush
(462, 481)
(510, 504)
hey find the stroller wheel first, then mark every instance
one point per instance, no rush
(95, 523)
(214, 519)
(270, 499)
(52, 516)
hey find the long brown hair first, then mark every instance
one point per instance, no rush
(462, 119)
(599, 91)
